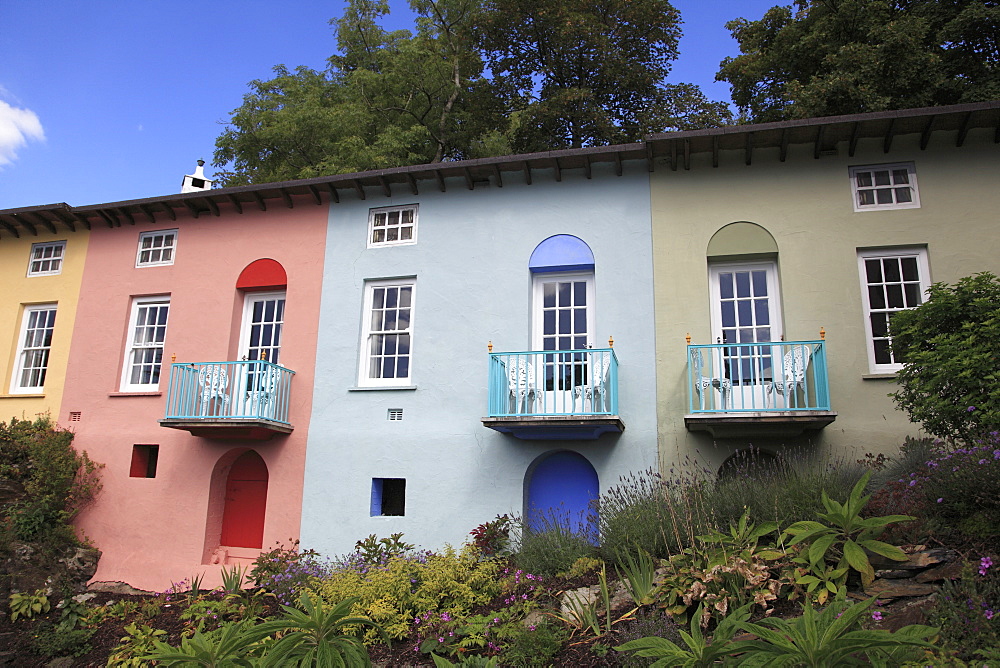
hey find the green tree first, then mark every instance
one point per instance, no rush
(950, 345)
(586, 72)
(388, 98)
(828, 57)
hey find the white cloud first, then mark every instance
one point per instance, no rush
(17, 127)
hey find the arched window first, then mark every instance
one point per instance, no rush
(263, 284)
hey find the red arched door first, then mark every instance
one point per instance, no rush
(246, 500)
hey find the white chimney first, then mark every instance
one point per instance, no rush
(196, 182)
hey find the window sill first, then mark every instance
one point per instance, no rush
(22, 396)
(378, 388)
(135, 394)
(879, 376)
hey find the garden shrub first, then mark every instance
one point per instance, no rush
(953, 488)
(968, 610)
(57, 480)
(286, 571)
(394, 594)
(552, 548)
(950, 380)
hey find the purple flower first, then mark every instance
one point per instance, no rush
(877, 615)
(940, 499)
(970, 409)
(984, 565)
(989, 614)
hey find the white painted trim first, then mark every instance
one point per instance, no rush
(15, 386)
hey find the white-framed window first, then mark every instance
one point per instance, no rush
(33, 345)
(392, 226)
(387, 342)
(880, 187)
(891, 280)
(156, 248)
(46, 258)
(147, 329)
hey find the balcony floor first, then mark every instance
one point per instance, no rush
(753, 424)
(229, 428)
(557, 427)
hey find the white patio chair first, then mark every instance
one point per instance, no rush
(521, 385)
(213, 382)
(600, 365)
(703, 382)
(794, 365)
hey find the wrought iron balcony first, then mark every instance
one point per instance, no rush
(774, 388)
(245, 400)
(554, 394)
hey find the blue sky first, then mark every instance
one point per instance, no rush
(105, 101)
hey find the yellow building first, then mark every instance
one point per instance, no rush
(783, 250)
(42, 254)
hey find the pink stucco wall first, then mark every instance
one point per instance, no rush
(153, 531)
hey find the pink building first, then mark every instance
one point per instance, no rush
(227, 288)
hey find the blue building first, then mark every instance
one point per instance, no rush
(486, 346)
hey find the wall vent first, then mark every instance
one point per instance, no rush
(74, 416)
(395, 414)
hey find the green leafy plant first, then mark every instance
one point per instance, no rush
(532, 646)
(493, 538)
(585, 615)
(314, 635)
(474, 661)
(831, 637)
(639, 575)
(552, 546)
(968, 609)
(699, 650)
(845, 535)
(51, 640)
(232, 579)
(948, 347)
(229, 645)
(28, 605)
(137, 643)
(286, 571)
(374, 550)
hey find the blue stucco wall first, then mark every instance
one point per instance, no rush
(473, 285)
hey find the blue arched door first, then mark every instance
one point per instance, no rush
(562, 487)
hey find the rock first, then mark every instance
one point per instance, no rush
(534, 618)
(10, 490)
(116, 588)
(621, 597)
(899, 589)
(578, 598)
(916, 560)
(894, 575)
(24, 552)
(912, 612)
(83, 598)
(61, 662)
(950, 571)
(82, 564)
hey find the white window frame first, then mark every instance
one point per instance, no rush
(171, 249)
(890, 188)
(375, 214)
(134, 346)
(923, 277)
(538, 281)
(365, 378)
(53, 262)
(27, 345)
(246, 326)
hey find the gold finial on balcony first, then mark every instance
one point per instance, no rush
(263, 355)
(611, 342)
(688, 338)
(173, 357)
(489, 346)
(822, 333)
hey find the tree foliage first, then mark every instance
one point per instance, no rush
(950, 344)
(561, 74)
(828, 57)
(585, 73)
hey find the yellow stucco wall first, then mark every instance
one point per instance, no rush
(20, 290)
(806, 205)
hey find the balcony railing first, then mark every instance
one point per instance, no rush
(558, 382)
(251, 393)
(778, 377)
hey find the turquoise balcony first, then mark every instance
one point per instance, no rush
(554, 394)
(229, 400)
(775, 388)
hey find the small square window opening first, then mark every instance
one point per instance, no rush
(393, 226)
(156, 248)
(46, 259)
(884, 187)
(388, 497)
(144, 458)
(395, 414)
